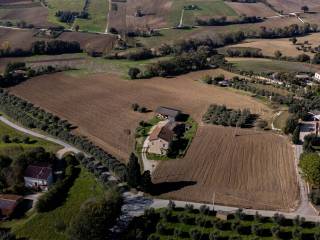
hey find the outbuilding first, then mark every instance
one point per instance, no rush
(38, 177)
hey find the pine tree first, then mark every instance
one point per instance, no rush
(134, 175)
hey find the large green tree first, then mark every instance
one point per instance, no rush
(310, 166)
(96, 217)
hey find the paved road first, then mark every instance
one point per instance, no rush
(39, 135)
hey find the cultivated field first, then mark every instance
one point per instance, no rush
(252, 170)
(24, 38)
(258, 65)
(252, 9)
(269, 46)
(100, 105)
(31, 13)
(293, 5)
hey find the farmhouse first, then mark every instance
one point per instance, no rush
(8, 204)
(161, 138)
(38, 177)
(168, 113)
(317, 76)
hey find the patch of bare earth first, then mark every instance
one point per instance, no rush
(100, 105)
(239, 167)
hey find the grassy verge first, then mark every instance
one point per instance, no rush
(17, 146)
(41, 226)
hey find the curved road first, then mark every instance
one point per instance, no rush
(67, 147)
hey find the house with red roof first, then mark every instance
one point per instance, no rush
(38, 177)
(8, 204)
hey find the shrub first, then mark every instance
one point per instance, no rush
(171, 205)
(133, 73)
(189, 208)
(195, 234)
(204, 209)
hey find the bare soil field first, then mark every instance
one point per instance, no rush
(252, 9)
(24, 38)
(251, 170)
(269, 46)
(153, 16)
(293, 5)
(36, 15)
(155, 13)
(100, 105)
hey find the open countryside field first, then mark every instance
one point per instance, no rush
(31, 13)
(207, 9)
(100, 105)
(284, 45)
(258, 65)
(252, 170)
(288, 6)
(252, 9)
(172, 35)
(24, 38)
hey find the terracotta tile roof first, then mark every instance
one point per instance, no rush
(8, 203)
(163, 132)
(38, 172)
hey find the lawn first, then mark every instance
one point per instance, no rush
(258, 65)
(16, 145)
(41, 226)
(207, 8)
(97, 22)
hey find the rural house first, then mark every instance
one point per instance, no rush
(38, 177)
(168, 113)
(161, 138)
(317, 77)
(8, 204)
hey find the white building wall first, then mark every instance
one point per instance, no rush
(32, 182)
(317, 76)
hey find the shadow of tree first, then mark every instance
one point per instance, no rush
(165, 187)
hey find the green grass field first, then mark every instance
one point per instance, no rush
(259, 65)
(98, 10)
(97, 22)
(41, 226)
(207, 8)
(14, 149)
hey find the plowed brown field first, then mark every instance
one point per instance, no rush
(100, 105)
(250, 169)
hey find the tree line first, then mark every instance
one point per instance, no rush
(53, 47)
(33, 117)
(223, 21)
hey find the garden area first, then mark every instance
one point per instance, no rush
(52, 224)
(203, 223)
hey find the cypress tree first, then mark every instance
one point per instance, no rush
(134, 175)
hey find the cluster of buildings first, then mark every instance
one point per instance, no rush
(165, 132)
(35, 177)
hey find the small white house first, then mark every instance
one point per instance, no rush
(317, 76)
(38, 177)
(160, 139)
